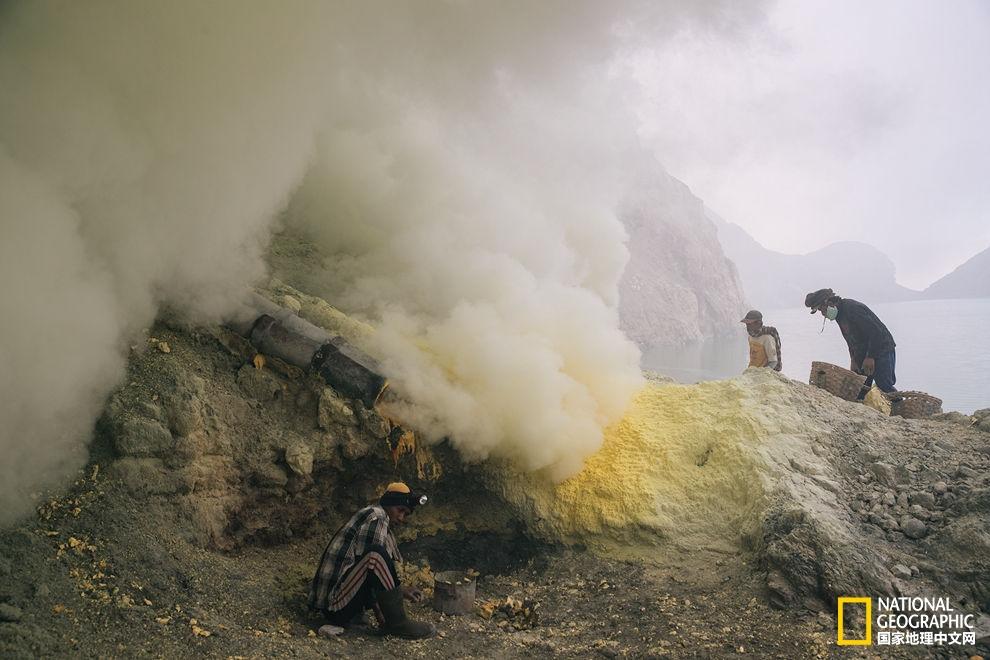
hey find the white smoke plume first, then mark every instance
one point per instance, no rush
(459, 160)
(487, 248)
(477, 223)
(144, 149)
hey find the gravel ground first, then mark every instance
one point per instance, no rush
(115, 580)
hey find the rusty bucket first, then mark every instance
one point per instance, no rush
(453, 592)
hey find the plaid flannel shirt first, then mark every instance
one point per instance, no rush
(366, 528)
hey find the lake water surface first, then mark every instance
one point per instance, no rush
(943, 348)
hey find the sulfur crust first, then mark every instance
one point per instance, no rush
(322, 314)
(682, 466)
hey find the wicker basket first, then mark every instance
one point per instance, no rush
(914, 405)
(841, 382)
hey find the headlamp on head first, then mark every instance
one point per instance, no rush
(399, 494)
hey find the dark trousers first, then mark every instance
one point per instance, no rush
(366, 583)
(883, 372)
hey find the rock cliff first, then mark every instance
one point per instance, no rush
(678, 286)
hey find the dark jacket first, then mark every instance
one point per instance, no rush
(865, 334)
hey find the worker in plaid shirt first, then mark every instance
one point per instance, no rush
(357, 571)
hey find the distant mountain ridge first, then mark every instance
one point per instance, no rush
(970, 280)
(776, 280)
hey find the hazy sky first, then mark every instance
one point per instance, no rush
(837, 120)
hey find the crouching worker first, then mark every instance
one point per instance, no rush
(357, 571)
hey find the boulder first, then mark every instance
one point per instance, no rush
(966, 472)
(138, 436)
(146, 476)
(954, 418)
(299, 458)
(912, 527)
(884, 473)
(150, 410)
(334, 411)
(374, 423)
(354, 444)
(184, 414)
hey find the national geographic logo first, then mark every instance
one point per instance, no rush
(868, 635)
(904, 620)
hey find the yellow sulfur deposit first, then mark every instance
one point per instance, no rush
(876, 400)
(680, 467)
(320, 313)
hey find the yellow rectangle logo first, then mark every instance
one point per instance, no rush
(866, 641)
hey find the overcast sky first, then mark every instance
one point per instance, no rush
(835, 120)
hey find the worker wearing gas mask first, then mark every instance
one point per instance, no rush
(871, 346)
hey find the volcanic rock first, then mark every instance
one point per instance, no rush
(912, 527)
(884, 473)
(137, 436)
(334, 411)
(770, 445)
(299, 458)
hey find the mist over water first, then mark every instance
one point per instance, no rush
(460, 163)
(941, 349)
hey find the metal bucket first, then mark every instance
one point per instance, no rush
(453, 592)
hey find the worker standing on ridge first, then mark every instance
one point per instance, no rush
(871, 346)
(357, 571)
(764, 342)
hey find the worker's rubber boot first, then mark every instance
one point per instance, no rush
(396, 621)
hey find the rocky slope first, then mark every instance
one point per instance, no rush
(834, 498)
(970, 280)
(678, 286)
(773, 280)
(720, 518)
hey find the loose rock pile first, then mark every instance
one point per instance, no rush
(233, 444)
(832, 497)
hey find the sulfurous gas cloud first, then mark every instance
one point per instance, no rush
(460, 163)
